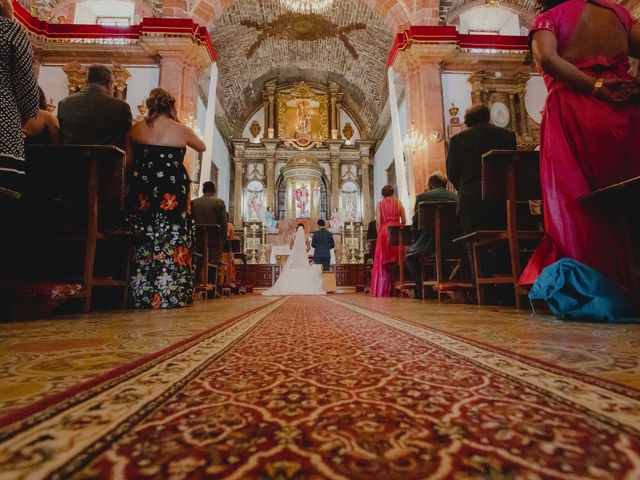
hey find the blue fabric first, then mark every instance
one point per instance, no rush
(575, 291)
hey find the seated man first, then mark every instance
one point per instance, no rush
(92, 116)
(424, 243)
(211, 210)
(322, 244)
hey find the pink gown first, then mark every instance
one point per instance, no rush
(586, 144)
(381, 275)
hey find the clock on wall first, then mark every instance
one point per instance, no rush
(500, 115)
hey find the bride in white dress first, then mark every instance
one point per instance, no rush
(298, 277)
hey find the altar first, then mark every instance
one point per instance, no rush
(307, 161)
(279, 251)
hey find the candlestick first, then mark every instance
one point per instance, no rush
(245, 239)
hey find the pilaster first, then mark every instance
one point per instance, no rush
(365, 163)
(238, 179)
(270, 171)
(420, 67)
(334, 161)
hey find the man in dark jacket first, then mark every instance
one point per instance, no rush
(424, 242)
(464, 168)
(211, 210)
(322, 244)
(93, 116)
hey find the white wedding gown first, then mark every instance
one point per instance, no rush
(298, 277)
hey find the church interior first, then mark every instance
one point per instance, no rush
(308, 110)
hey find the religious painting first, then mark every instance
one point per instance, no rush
(302, 197)
(303, 114)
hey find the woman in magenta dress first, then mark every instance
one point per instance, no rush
(389, 211)
(590, 135)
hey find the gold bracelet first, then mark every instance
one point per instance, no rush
(597, 86)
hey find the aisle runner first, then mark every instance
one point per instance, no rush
(310, 388)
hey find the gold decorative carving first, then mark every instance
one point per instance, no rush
(301, 27)
(453, 111)
(347, 131)
(315, 110)
(255, 128)
(76, 75)
(120, 77)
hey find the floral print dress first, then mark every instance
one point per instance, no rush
(159, 212)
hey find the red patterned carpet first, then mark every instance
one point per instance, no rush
(311, 388)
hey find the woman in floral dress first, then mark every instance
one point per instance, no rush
(159, 206)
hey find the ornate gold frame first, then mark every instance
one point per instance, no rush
(300, 91)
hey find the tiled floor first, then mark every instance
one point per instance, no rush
(39, 358)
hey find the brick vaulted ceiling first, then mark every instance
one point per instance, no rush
(259, 40)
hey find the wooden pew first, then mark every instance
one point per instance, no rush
(440, 218)
(208, 243)
(401, 236)
(509, 176)
(622, 200)
(71, 203)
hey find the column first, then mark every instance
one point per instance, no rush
(426, 110)
(523, 113)
(271, 92)
(334, 161)
(512, 111)
(366, 191)
(332, 119)
(270, 172)
(209, 126)
(171, 67)
(338, 103)
(401, 178)
(265, 124)
(237, 190)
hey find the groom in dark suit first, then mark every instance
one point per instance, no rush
(322, 244)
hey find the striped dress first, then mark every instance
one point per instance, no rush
(18, 103)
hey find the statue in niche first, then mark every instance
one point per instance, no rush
(336, 220)
(255, 206)
(350, 209)
(269, 219)
(303, 124)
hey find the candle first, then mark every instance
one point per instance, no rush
(245, 238)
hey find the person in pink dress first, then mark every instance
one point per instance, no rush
(590, 135)
(389, 211)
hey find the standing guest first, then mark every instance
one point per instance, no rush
(464, 167)
(18, 103)
(424, 241)
(590, 137)
(389, 211)
(93, 116)
(322, 244)
(211, 210)
(43, 129)
(159, 208)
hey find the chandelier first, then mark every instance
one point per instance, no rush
(413, 140)
(307, 6)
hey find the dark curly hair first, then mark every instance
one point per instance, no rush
(387, 191)
(160, 102)
(545, 5)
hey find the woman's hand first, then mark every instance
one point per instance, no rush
(618, 90)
